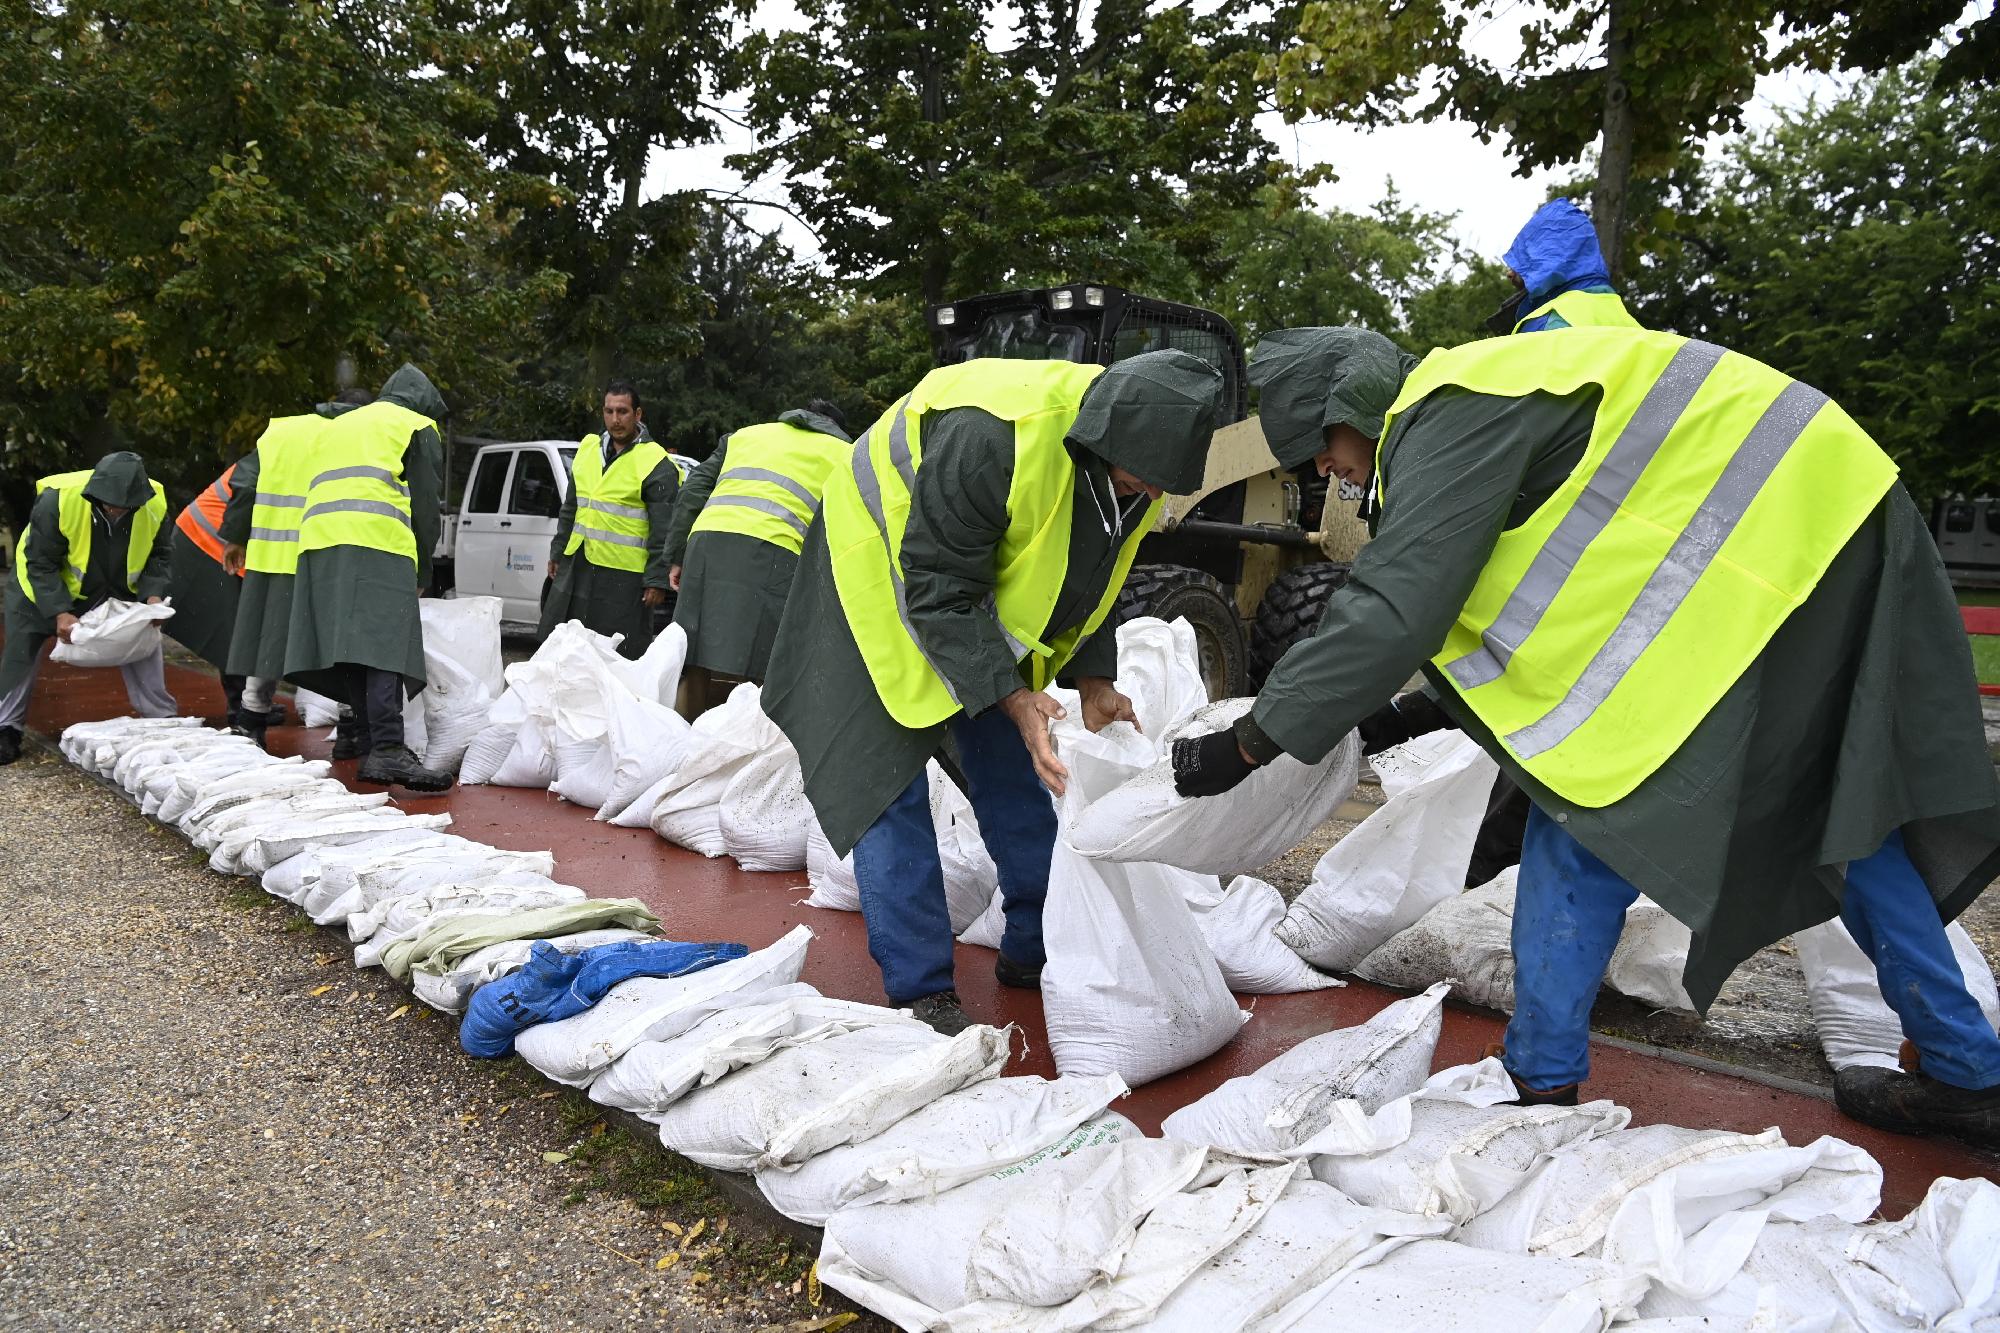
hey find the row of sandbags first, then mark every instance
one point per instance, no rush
(1341, 1185)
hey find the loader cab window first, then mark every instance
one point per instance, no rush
(1140, 332)
(1023, 335)
(535, 491)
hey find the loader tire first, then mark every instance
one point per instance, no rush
(1170, 591)
(1291, 611)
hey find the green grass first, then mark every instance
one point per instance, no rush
(1978, 596)
(1986, 657)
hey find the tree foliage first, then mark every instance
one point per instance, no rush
(1101, 143)
(205, 205)
(1856, 245)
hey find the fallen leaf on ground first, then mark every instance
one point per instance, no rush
(555, 1158)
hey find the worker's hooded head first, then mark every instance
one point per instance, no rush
(411, 388)
(1153, 415)
(1310, 379)
(1557, 252)
(119, 480)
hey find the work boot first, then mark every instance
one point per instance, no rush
(1566, 1095)
(1018, 975)
(251, 725)
(10, 745)
(398, 766)
(1917, 1104)
(349, 740)
(942, 1012)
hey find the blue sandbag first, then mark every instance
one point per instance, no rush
(553, 985)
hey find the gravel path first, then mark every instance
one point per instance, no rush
(209, 1118)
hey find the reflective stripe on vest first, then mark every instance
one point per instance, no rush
(776, 474)
(1713, 495)
(866, 507)
(610, 526)
(73, 519)
(201, 519)
(285, 456)
(357, 494)
(1585, 310)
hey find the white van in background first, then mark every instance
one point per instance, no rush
(1968, 537)
(497, 544)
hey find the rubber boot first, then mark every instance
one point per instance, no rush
(1566, 1095)
(942, 1012)
(1010, 973)
(349, 740)
(1917, 1104)
(398, 766)
(252, 725)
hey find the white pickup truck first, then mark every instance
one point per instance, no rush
(497, 543)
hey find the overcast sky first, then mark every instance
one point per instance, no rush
(1440, 167)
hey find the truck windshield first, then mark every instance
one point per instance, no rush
(1024, 335)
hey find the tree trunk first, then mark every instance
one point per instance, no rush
(1614, 157)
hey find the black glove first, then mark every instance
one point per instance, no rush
(1209, 765)
(1402, 719)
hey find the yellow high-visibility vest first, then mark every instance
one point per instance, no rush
(776, 474)
(285, 461)
(610, 524)
(1585, 310)
(1713, 495)
(866, 508)
(73, 518)
(357, 494)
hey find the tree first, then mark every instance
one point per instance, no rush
(1874, 38)
(575, 97)
(1856, 246)
(205, 206)
(932, 165)
(1640, 79)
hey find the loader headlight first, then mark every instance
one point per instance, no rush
(1093, 296)
(1061, 300)
(946, 316)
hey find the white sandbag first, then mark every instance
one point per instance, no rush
(584, 771)
(171, 750)
(656, 675)
(191, 784)
(486, 752)
(1573, 1199)
(655, 1074)
(1439, 1286)
(1856, 1026)
(456, 704)
(1404, 859)
(82, 742)
(638, 812)
(444, 860)
(1467, 939)
(253, 851)
(576, 1050)
(1460, 1157)
(764, 815)
(1241, 932)
(956, 1139)
(1650, 958)
(449, 992)
(689, 811)
(1037, 1233)
(114, 633)
(830, 878)
(315, 709)
(251, 784)
(807, 1099)
(1265, 816)
(1311, 1237)
(319, 798)
(165, 784)
(466, 632)
(1277, 1111)
(645, 743)
(530, 763)
(1159, 670)
(987, 929)
(301, 879)
(1937, 1268)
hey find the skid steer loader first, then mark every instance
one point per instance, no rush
(1252, 556)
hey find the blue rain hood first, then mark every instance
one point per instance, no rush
(1557, 252)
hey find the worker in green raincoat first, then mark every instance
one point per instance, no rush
(1737, 687)
(1015, 494)
(732, 549)
(608, 562)
(91, 537)
(352, 505)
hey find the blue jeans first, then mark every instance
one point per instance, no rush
(1570, 909)
(902, 880)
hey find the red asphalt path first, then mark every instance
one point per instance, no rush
(701, 899)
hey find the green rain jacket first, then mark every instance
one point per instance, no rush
(733, 587)
(1152, 415)
(607, 600)
(118, 479)
(1860, 717)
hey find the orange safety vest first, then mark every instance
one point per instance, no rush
(202, 519)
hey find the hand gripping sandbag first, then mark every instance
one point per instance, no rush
(576, 1050)
(808, 1099)
(1856, 1026)
(1277, 1111)
(956, 1139)
(1271, 812)
(1159, 670)
(113, 634)
(1404, 859)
